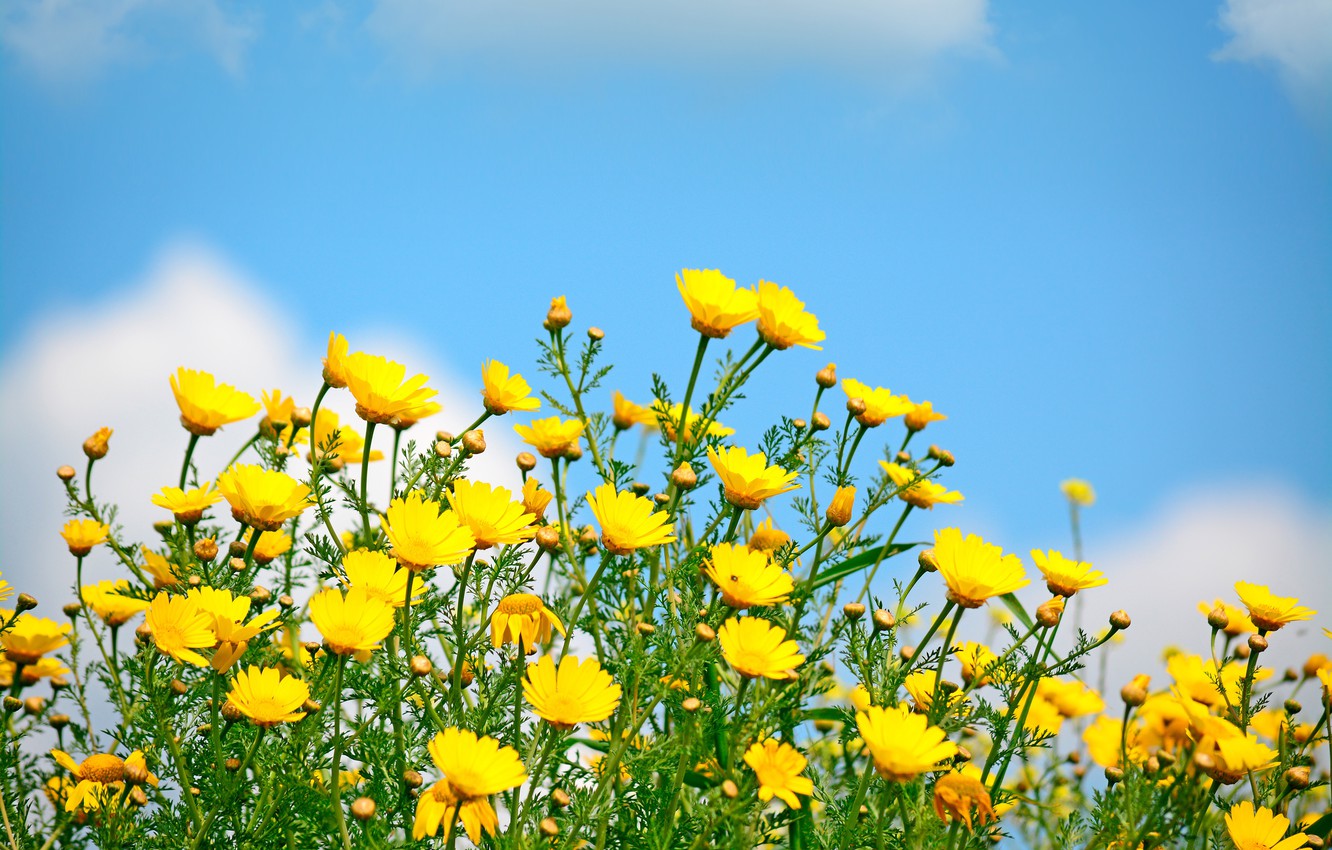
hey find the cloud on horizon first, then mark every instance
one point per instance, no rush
(1292, 37)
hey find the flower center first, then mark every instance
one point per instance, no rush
(102, 768)
(519, 603)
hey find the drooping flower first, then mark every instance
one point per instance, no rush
(6, 590)
(746, 577)
(335, 361)
(552, 436)
(575, 692)
(422, 537)
(766, 538)
(187, 506)
(957, 794)
(1260, 829)
(267, 697)
(232, 630)
(522, 618)
(975, 570)
(351, 624)
(903, 745)
(919, 492)
(81, 535)
(474, 768)
(503, 392)
(32, 637)
(755, 648)
(96, 446)
(1078, 492)
(625, 414)
(715, 305)
(747, 480)
(98, 777)
(922, 414)
(108, 602)
(491, 514)
(1064, 576)
(778, 766)
(782, 320)
(262, 498)
(179, 627)
(206, 405)
(627, 521)
(1268, 611)
(383, 392)
(163, 571)
(880, 404)
(379, 576)
(440, 804)
(535, 499)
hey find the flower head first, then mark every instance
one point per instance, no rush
(334, 441)
(278, 410)
(625, 414)
(378, 575)
(922, 414)
(782, 320)
(552, 436)
(1078, 492)
(535, 499)
(262, 498)
(575, 692)
(715, 305)
(383, 392)
(353, 623)
(503, 392)
(1065, 577)
(778, 766)
(917, 490)
(746, 577)
(180, 626)
(422, 537)
(6, 590)
(975, 570)
(1237, 619)
(474, 769)
(335, 361)
(766, 538)
(97, 777)
(1267, 611)
(627, 521)
(903, 745)
(756, 648)
(880, 404)
(164, 572)
(108, 602)
(440, 804)
(491, 514)
(979, 663)
(1070, 697)
(32, 637)
(1260, 829)
(81, 535)
(187, 506)
(267, 697)
(957, 794)
(522, 618)
(206, 405)
(747, 480)
(269, 547)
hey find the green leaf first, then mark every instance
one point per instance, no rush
(856, 563)
(824, 713)
(1321, 827)
(1018, 611)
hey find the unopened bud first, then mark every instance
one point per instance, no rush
(691, 704)
(260, 595)
(596, 334)
(526, 461)
(853, 611)
(1048, 613)
(465, 676)
(96, 446)
(928, 561)
(444, 436)
(237, 565)
(560, 798)
(421, 666)
(548, 538)
(1257, 643)
(66, 473)
(363, 808)
(573, 452)
(58, 721)
(12, 704)
(1114, 774)
(136, 773)
(236, 549)
(549, 827)
(72, 609)
(559, 315)
(821, 422)
(443, 450)
(661, 498)
(946, 458)
(825, 726)
(1120, 620)
(903, 457)
(232, 765)
(639, 488)
(703, 633)
(1297, 778)
(164, 527)
(684, 477)
(412, 779)
(474, 441)
(1292, 707)
(1218, 619)
(206, 549)
(194, 581)
(25, 602)
(143, 634)
(588, 536)
(1152, 765)
(730, 789)
(286, 602)
(827, 376)
(645, 629)
(799, 424)
(301, 417)
(231, 712)
(1242, 651)
(841, 507)
(883, 620)
(856, 406)
(34, 706)
(906, 653)
(178, 687)
(1290, 675)
(311, 706)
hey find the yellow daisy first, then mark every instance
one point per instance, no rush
(922, 414)
(903, 745)
(552, 436)
(503, 392)
(1260, 829)
(524, 619)
(1267, 611)
(747, 480)
(778, 766)
(164, 572)
(628, 522)
(766, 538)
(267, 697)
(975, 570)
(1078, 492)
(335, 361)
(262, 498)
(715, 305)
(474, 768)
(756, 648)
(379, 576)
(179, 627)
(187, 506)
(32, 637)
(880, 404)
(491, 514)
(625, 414)
(270, 547)
(576, 692)
(81, 535)
(422, 537)
(334, 441)
(1070, 697)
(353, 623)
(277, 411)
(782, 320)
(98, 777)
(206, 405)
(440, 804)
(107, 601)
(535, 499)
(920, 492)
(978, 663)
(383, 392)
(1065, 577)
(746, 577)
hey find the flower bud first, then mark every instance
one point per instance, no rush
(1135, 692)
(703, 633)
(1292, 707)
(853, 611)
(421, 666)
(684, 477)
(1257, 643)
(465, 676)
(96, 446)
(194, 581)
(841, 507)
(883, 620)
(1120, 620)
(730, 789)
(1297, 778)
(443, 450)
(906, 653)
(560, 798)
(363, 808)
(286, 602)
(235, 549)
(260, 595)
(573, 452)
(1049, 613)
(596, 334)
(311, 706)
(1114, 774)
(1242, 652)
(827, 376)
(661, 498)
(25, 602)
(34, 706)
(143, 634)
(237, 565)
(136, 773)
(825, 726)
(559, 315)
(474, 441)
(232, 765)
(1290, 675)
(691, 704)
(72, 610)
(639, 488)
(412, 779)
(1218, 619)
(549, 827)
(231, 712)
(928, 561)
(821, 422)
(66, 473)
(526, 461)
(12, 704)
(946, 458)
(856, 406)
(206, 549)
(178, 688)
(301, 417)
(58, 721)
(645, 629)
(548, 538)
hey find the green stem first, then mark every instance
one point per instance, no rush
(460, 643)
(241, 451)
(365, 477)
(184, 467)
(336, 778)
(853, 812)
(699, 353)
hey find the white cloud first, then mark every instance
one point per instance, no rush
(71, 40)
(1292, 36)
(897, 38)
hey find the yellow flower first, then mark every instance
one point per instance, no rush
(535, 500)
(262, 498)
(668, 420)
(975, 570)
(383, 392)
(32, 637)
(97, 776)
(6, 590)
(350, 624)
(267, 697)
(1103, 742)
(716, 307)
(922, 414)
(1078, 492)
(778, 766)
(841, 507)
(503, 392)
(179, 627)
(880, 404)
(1042, 717)
(1071, 697)
(746, 577)
(1065, 577)
(378, 575)
(422, 537)
(978, 663)
(766, 538)
(474, 769)
(524, 619)
(270, 547)
(163, 571)
(576, 692)
(277, 411)
(746, 479)
(228, 614)
(628, 522)
(491, 514)
(107, 602)
(782, 320)
(335, 361)
(755, 648)
(903, 745)
(552, 436)
(1197, 679)
(859, 697)
(1269, 612)
(1260, 829)
(920, 686)
(187, 506)
(625, 414)
(1236, 753)
(956, 794)
(920, 492)
(439, 804)
(347, 444)
(206, 405)
(42, 668)
(96, 446)
(81, 535)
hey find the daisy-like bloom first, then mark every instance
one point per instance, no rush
(766, 538)
(440, 804)
(32, 637)
(97, 776)
(1267, 611)
(205, 405)
(524, 619)
(107, 602)
(180, 626)
(778, 766)
(81, 535)
(535, 500)
(920, 492)
(920, 687)
(625, 414)
(975, 570)
(335, 361)
(782, 320)
(270, 547)
(552, 436)
(228, 613)
(96, 446)
(1071, 697)
(1260, 829)
(1103, 739)
(262, 498)
(163, 571)
(746, 577)
(383, 392)
(978, 663)
(957, 794)
(378, 575)
(1042, 717)
(859, 697)
(42, 668)
(1064, 576)
(267, 697)
(491, 514)
(922, 414)
(747, 480)
(474, 769)
(1078, 492)
(349, 448)
(350, 624)
(422, 537)
(716, 307)
(756, 648)
(503, 392)
(1196, 679)
(628, 522)
(575, 692)
(277, 411)
(1236, 753)
(187, 506)
(903, 745)
(880, 404)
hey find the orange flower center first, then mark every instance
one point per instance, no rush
(102, 768)
(519, 603)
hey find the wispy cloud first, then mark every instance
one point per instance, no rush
(1293, 37)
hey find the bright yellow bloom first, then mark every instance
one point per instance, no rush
(716, 307)
(746, 577)
(978, 663)
(422, 537)
(439, 804)
(81, 535)
(267, 697)
(1042, 717)
(552, 436)
(378, 575)
(1269, 612)
(262, 498)
(6, 590)
(503, 392)
(1078, 492)
(474, 769)
(1070, 697)
(349, 448)
(1236, 753)
(920, 687)
(99, 778)
(625, 414)
(1103, 739)
(206, 405)
(270, 547)
(494, 518)
(108, 602)
(956, 794)
(668, 420)
(179, 627)
(880, 404)
(187, 506)
(747, 480)
(1260, 829)
(277, 411)
(353, 623)
(163, 571)
(576, 692)
(383, 392)
(920, 492)
(228, 613)
(903, 745)
(32, 637)
(766, 538)
(922, 414)
(778, 766)
(756, 648)
(975, 570)
(535, 500)
(524, 619)
(782, 320)
(335, 361)
(1065, 577)
(628, 522)
(841, 507)
(1196, 679)
(42, 668)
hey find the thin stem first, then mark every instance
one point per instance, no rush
(393, 463)
(241, 450)
(853, 811)
(337, 751)
(703, 341)
(365, 477)
(189, 453)
(460, 643)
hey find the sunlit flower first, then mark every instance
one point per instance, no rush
(715, 305)
(107, 600)
(746, 577)
(81, 535)
(920, 492)
(1064, 576)
(440, 804)
(474, 769)
(46, 667)
(383, 392)
(535, 499)
(956, 794)
(1267, 611)
(163, 572)
(32, 637)
(524, 619)
(782, 320)
(232, 630)
(262, 498)
(841, 506)
(1070, 697)
(350, 624)
(379, 576)
(919, 686)
(668, 420)
(335, 361)
(766, 538)
(335, 441)
(1078, 492)
(978, 663)
(755, 648)
(503, 392)
(1043, 718)
(267, 697)
(1260, 829)
(627, 521)
(903, 745)
(880, 404)
(277, 411)
(1103, 742)
(206, 405)
(422, 537)
(1197, 679)
(576, 692)
(97, 777)
(552, 436)
(625, 414)
(187, 506)
(922, 414)
(975, 570)
(179, 627)
(778, 766)
(491, 514)
(746, 479)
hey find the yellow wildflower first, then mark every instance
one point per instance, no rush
(378, 575)
(535, 500)
(383, 392)
(267, 697)
(975, 570)
(1078, 492)
(473, 768)
(108, 602)
(1065, 577)
(81, 535)
(552, 436)
(956, 794)
(490, 513)
(32, 637)
(503, 392)
(99, 777)
(903, 745)
(782, 320)
(628, 522)
(187, 506)
(978, 663)
(576, 692)
(524, 619)
(262, 498)
(1260, 829)
(1070, 697)
(278, 410)
(1267, 611)
(922, 414)
(422, 537)
(746, 577)
(920, 492)
(179, 627)
(350, 624)
(756, 648)
(206, 405)
(880, 404)
(747, 480)
(766, 538)
(625, 414)
(668, 420)
(778, 766)
(715, 305)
